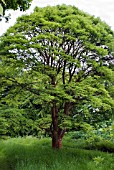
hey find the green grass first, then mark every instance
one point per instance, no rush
(34, 154)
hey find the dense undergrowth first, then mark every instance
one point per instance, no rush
(33, 154)
(101, 138)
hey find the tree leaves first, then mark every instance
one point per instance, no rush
(61, 55)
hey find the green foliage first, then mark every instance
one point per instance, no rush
(101, 138)
(1, 10)
(23, 5)
(18, 122)
(15, 4)
(98, 160)
(58, 55)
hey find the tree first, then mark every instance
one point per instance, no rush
(13, 4)
(61, 55)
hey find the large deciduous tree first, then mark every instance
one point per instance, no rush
(63, 56)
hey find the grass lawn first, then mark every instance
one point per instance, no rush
(34, 154)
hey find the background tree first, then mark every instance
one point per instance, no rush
(62, 55)
(13, 4)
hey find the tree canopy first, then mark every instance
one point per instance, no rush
(64, 57)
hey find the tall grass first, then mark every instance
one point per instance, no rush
(34, 154)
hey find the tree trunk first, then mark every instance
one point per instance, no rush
(57, 133)
(54, 126)
(61, 133)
